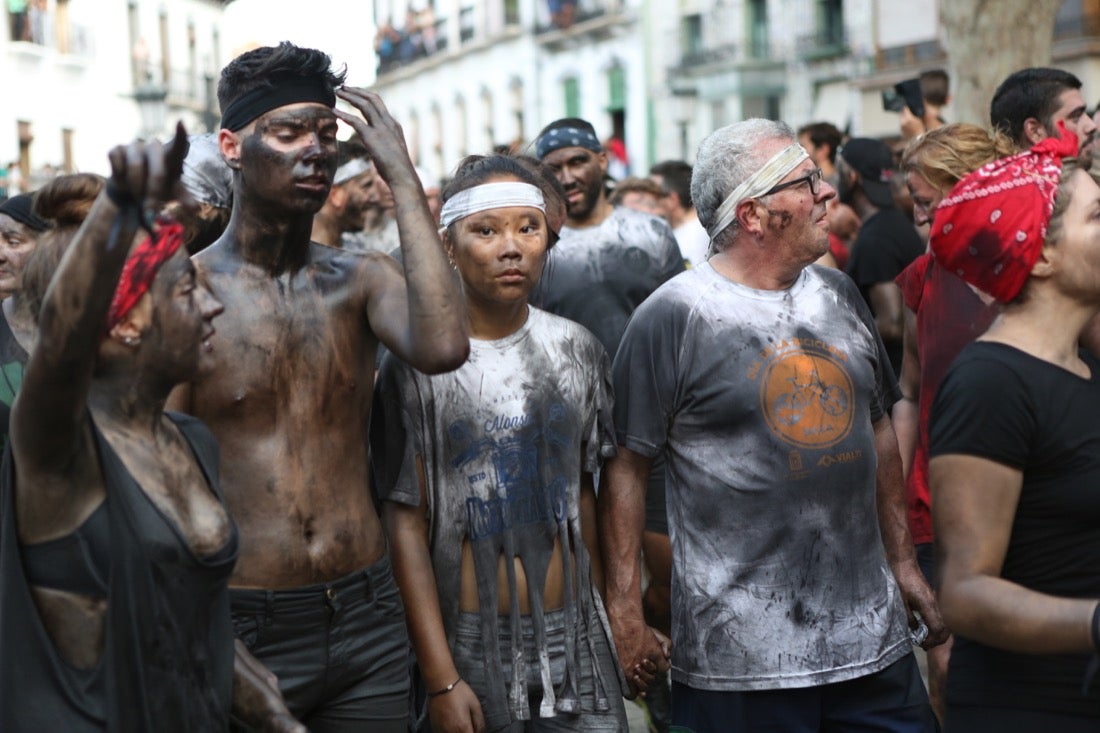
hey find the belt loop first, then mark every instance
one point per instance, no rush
(269, 607)
(368, 585)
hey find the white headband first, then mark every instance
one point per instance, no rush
(490, 196)
(771, 173)
(351, 169)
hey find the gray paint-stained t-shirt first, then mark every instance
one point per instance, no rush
(504, 440)
(598, 275)
(763, 402)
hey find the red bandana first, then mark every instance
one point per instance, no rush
(141, 267)
(991, 227)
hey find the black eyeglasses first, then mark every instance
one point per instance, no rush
(814, 179)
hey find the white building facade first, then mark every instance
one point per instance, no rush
(74, 74)
(464, 75)
(813, 60)
(492, 73)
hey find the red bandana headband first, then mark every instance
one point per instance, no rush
(141, 267)
(991, 227)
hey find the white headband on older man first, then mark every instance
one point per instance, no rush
(490, 196)
(759, 183)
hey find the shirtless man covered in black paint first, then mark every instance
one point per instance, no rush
(290, 393)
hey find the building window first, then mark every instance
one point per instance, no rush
(487, 116)
(758, 29)
(830, 22)
(460, 126)
(571, 88)
(691, 35)
(511, 12)
(616, 88)
(467, 27)
(437, 133)
(516, 90)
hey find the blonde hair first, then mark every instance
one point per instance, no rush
(945, 155)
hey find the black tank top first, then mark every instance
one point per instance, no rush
(79, 562)
(167, 663)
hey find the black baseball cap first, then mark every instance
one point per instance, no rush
(874, 163)
(21, 208)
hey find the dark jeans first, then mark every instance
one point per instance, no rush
(891, 701)
(339, 649)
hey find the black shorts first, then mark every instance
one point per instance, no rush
(339, 649)
(893, 699)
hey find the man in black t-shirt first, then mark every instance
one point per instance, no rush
(887, 241)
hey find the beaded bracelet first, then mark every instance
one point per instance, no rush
(454, 684)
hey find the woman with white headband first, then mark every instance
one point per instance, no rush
(487, 477)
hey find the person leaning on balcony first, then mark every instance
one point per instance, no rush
(17, 17)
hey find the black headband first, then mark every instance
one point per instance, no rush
(254, 103)
(567, 136)
(21, 208)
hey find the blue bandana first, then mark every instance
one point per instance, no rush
(567, 134)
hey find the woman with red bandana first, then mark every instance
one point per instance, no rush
(1015, 448)
(942, 315)
(115, 546)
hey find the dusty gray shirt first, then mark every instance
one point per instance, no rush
(504, 440)
(598, 275)
(763, 402)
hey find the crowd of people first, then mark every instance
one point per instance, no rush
(297, 437)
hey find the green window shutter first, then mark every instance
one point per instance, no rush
(616, 92)
(572, 89)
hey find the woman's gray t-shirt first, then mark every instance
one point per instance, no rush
(504, 441)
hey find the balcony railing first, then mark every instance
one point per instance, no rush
(67, 39)
(910, 54)
(824, 44)
(401, 47)
(572, 13)
(187, 88)
(707, 56)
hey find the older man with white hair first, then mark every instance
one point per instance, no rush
(761, 378)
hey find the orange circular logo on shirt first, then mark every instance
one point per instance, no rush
(807, 399)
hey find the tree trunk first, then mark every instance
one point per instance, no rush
(986, 40)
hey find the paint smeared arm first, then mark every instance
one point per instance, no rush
(430, 330)
(896, 539)
(47, 429)
(906, 411)
(456, 710)
(976, 500)
(643, 651)
(887, 305)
